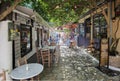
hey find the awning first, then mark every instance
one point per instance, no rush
(71, 26)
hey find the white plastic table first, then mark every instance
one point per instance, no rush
(26, 71)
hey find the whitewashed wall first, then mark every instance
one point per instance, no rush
(5, 48)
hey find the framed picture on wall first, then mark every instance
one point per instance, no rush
(10, 31)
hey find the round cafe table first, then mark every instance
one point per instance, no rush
(26, 71)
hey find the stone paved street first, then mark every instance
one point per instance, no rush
(75, 65)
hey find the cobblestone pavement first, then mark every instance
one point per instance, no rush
(75, 65)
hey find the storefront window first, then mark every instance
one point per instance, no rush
(26, 39)
(100, 28)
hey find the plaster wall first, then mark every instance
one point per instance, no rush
(5, 49)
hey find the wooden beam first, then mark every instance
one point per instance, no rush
(98, 10)
(106, 17)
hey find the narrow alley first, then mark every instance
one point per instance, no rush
(75, 65)
(60, 40)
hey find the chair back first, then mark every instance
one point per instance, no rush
(45, 52)
(46, 58)
(2, 75)
(21, 61)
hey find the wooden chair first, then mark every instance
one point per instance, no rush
(21, 61)
(46, 57)
(2, 75)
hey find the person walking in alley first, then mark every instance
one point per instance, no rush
(68, 41)
(57, 39)
(72, 40)
(75, 38)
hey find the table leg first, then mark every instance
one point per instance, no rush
(23, 80)
(38, 78)
(32, 79)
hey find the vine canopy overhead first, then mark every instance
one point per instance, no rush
(56, 12)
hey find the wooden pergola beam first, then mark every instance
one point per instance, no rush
(101, 9)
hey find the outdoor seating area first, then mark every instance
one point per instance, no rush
(46, 57)
(64, 69)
